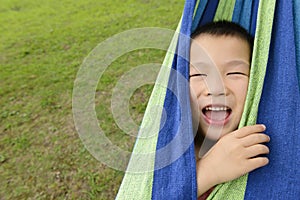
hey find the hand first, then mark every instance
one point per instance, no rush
(234, 155)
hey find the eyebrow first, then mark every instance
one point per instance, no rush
(200, 64)
(230, 63)
(237, 63)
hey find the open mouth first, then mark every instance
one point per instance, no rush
(216, 114)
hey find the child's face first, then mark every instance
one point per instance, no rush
(219, 82)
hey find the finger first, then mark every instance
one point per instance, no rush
(253, 139)
(255, 163)
(256, 150)
(247, 130)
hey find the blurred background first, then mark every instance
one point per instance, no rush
(42, 46)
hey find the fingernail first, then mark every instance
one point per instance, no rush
(264, 126)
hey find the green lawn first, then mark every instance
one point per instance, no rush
(42, 45)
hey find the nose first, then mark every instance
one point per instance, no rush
(215, 85)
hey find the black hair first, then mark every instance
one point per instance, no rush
(225, 28)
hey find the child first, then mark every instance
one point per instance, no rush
(219, 73)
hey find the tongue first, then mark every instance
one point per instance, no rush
(216, 115)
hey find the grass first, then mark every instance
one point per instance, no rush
(42, 47)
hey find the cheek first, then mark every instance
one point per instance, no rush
(194, 93)
(243, 90)
(238, 86)
(192, 89)
(240, 91)
(196, 88)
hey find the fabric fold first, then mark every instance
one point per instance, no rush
(273, 99)
(175, 146)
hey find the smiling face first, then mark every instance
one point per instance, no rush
(219, 75)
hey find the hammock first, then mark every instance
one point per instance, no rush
(273, 99)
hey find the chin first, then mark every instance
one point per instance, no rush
(215, 133)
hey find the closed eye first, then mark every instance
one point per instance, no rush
(193, 75)
(237, 73)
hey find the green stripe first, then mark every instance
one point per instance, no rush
(196, 7)
(259, 61)
(236, 189)
(137, 186)
(225, 10)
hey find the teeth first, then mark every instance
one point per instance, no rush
(216, 108)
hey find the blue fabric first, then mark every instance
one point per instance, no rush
(198, 15)
(254, 17)
(245, 14)
(209, 12)
(297, 34)
(177, 180)
(242, 13)
(280, 110)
